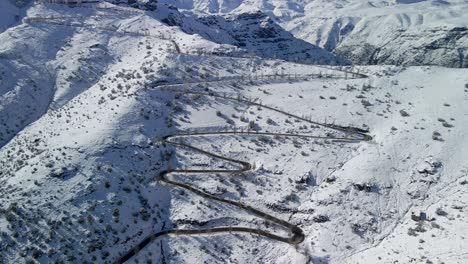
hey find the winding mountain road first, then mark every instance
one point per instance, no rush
(296, 234)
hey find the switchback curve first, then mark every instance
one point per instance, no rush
(296, 234)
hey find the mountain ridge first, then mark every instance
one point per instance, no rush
(393, 32)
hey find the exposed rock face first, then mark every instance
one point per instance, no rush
(256, 33)
(438, 46)
(429, 166)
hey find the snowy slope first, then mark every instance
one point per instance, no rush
(36, 74)
(94, 72)
(89, 93)
(362, 196)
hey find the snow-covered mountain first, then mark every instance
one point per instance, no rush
(255, 33)
(139, 132)
(366, 32)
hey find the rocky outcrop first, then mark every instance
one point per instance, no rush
(259, 34)
(438, 46)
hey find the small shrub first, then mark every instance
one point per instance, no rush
(441, 212)
(403, 113)
(251, 124)
(321, 219)
(436, 136)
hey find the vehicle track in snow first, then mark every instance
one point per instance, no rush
(296, 234)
